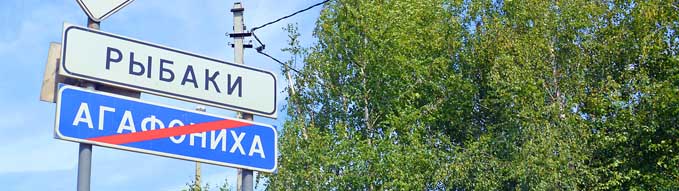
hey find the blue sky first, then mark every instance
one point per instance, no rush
(31, 159)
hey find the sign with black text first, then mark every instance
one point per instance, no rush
(142, 66)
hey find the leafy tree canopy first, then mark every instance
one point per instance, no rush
(484, 95)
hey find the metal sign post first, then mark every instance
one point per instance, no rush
(84, 149)
(96, 12)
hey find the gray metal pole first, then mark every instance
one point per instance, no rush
(85, 150)
(244, 176)
(84, 166)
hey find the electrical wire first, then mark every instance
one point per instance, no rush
(267, 55)
(288, 16)
(261, 48)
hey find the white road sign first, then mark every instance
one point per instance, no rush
(98, 10)
(128, 63)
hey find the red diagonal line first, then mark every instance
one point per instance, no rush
(119, 139)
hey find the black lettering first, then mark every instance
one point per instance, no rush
(148, 73)
(238, 82)
(134, 63)
(109, 59)
(163, 70)
(209, 78)
(189, 70)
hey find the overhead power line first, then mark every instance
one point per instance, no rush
(288, 16)
(261, 48)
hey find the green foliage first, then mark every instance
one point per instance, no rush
(484, 95)
(225, 186)
(193, 186)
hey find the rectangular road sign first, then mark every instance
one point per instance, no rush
(119, 122)
(128, 63)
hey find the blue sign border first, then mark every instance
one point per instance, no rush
(58, 135)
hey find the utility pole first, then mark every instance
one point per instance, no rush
(197, 176)
(84, 149)
(201, 109)
(244, 182)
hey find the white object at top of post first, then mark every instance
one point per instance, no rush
(238, 28)
(99, 10)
